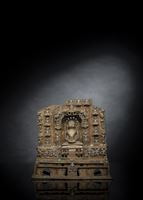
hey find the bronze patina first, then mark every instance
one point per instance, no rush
(71, 142)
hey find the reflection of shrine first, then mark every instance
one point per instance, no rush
(69, 190)
(72, 142)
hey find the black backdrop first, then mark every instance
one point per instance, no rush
(105, 66)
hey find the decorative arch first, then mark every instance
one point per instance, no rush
(61, 121)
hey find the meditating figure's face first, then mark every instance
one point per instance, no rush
(71, 124)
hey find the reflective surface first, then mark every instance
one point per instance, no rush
(71, 189)
(16, 183)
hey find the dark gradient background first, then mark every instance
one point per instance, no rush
(104, 66)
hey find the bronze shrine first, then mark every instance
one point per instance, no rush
(71, 142)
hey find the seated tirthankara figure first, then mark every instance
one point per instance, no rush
(72, 135)
(71, 142)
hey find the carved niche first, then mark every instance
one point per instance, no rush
(71, 142)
